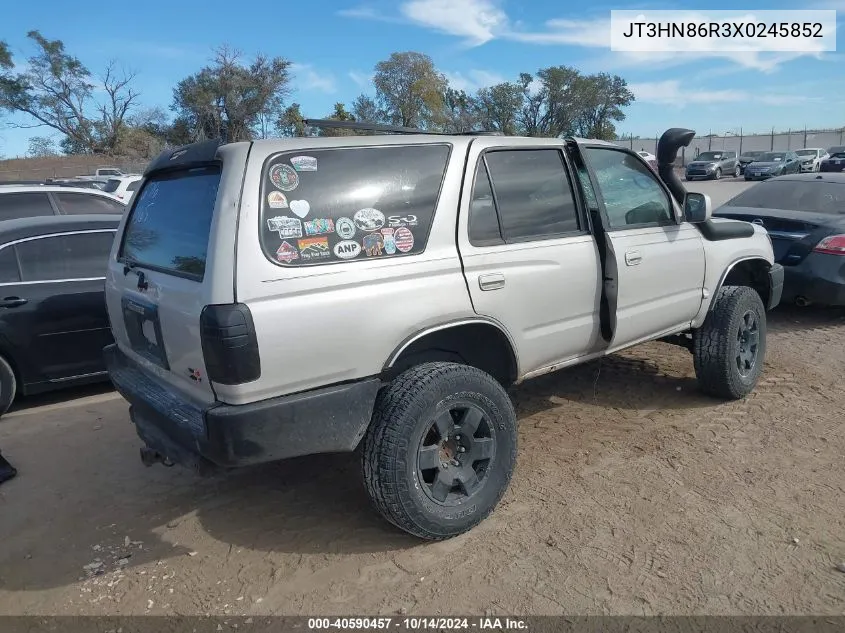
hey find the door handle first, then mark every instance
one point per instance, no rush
(632, 258)
(493, 281)
(12, 302)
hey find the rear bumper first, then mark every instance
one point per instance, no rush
(819, 278)
(327, 420)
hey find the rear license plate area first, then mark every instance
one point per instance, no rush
(143, 329)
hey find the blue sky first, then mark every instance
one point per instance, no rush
(335, 44)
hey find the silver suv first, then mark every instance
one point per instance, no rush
(278, 298)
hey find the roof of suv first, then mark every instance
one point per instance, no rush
(42, 224)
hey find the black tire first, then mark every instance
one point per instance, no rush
(717, 175)
(404, 449)
(8, 386)
(737, 172)
(728, 356)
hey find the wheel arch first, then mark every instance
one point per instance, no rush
(751, 271)
(479, 342)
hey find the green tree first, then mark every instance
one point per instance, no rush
(460, 111)
(603, 96)
(365, 109)
(41, 147)
(57, 91)
(232, 99)
(409, 90)
(291, 122)
(499, 107)
(339, 113)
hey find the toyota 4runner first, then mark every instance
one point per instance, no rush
(279, 298)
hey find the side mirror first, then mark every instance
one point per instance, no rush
(697, 208)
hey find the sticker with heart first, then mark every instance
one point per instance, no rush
(300, 208)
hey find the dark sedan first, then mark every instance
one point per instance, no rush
(773, 164)
(53, 321)
(835, 161)
(804, 215)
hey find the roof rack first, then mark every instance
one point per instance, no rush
(389, 129)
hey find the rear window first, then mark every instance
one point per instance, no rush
(112, 185)
(169, 224)
(337, 205)
(133, 186)
(813, 196)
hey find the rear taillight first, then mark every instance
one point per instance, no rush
(831, 245)
(229, 344)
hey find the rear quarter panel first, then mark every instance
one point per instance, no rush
(324, 324)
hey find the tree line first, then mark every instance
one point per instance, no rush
(237, 99)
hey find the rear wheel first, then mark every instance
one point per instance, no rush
(8, 386)
(737, 172)
(730, 348)
(440, 450)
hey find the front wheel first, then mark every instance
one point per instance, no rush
(440, 450)
(730, 347)
(8, 386)
(737, 172)
(718, 173)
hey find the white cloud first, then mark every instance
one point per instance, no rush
(477, 21)
(673, 92)
(363, 80)
(306, 78)
(473, 80)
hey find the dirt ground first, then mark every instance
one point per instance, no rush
(633, 494)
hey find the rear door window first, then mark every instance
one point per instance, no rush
(9, 272)
(168, 227)
(80, 203)
(65, 257)
(24, 205)
(350, 204)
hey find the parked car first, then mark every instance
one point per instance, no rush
(278, 298)
(773, 164)
(835, 160)
(23, 201)
(79, 183)
(811, 158)
(805, 217)
(53, 321)
(748, 157)
(123, 187)
(713, 165)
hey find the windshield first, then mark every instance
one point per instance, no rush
(753, 154)
(812, 196)
(709, 156)
(771, 157)
(806, 152)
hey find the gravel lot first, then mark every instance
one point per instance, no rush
(634, 494)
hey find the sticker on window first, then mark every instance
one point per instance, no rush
(347, 249)
(284, 177)
(300, 208)
(277, 200)
(314, 248)
(373, 244)
(404, 239)
(369, 219)
(304, 163)
(345, 228)
(287, 228)
(389, 244)
(286, 253)
(319, 226)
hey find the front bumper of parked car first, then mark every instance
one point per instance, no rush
(835, 165)
(819, 278)
(759, 174)
(810, 165)
(701, 172)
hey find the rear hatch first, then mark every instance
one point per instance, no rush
(173, 256)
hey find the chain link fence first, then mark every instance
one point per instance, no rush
(739, 142)
(63, 167)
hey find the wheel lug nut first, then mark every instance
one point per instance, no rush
(461, 449)
(458, 438)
